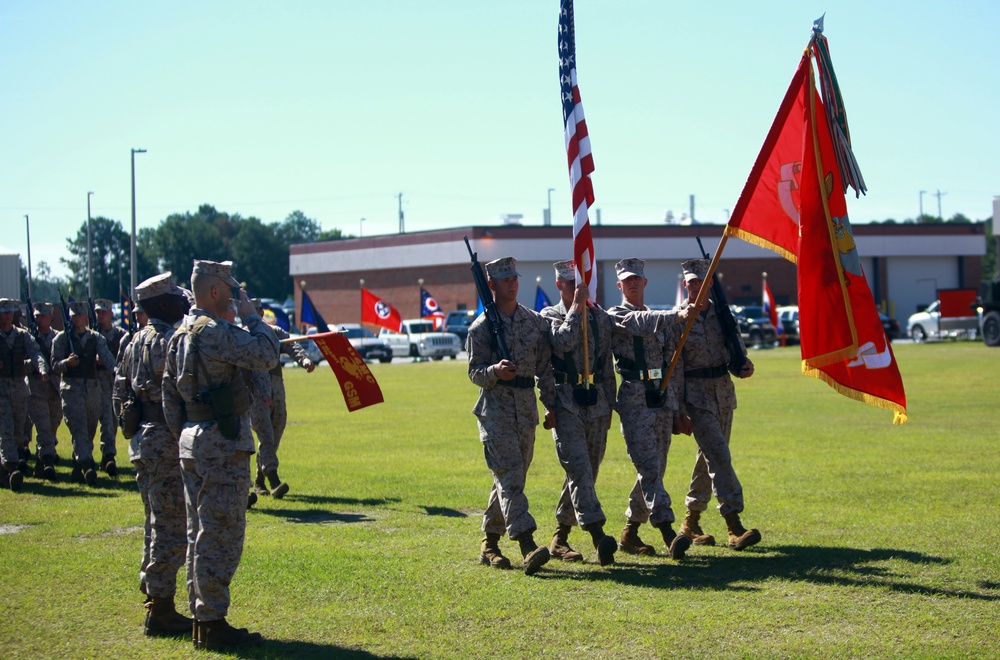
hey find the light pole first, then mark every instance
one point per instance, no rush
(548, 212)
(922, 192)
(27, 227)
(361, 231)
(90, 270)
(132, 273)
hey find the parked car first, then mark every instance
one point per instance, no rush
(366, 344)
(418, 338)
(891, 327)
(756, 329)
(928, 323)
(788, 316)
(458, 323)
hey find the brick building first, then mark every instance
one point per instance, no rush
(905, 264)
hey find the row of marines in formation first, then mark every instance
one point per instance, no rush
(573, 363)
(187, 388)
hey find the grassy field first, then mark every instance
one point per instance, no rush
(878, 541)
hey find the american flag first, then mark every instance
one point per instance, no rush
(578, 155)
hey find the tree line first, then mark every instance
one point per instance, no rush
(259, 251)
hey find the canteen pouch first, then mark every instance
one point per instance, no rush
(223, 402)
(654, 398)
(130, 417)
(585, 397)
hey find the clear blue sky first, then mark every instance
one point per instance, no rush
(333, 107)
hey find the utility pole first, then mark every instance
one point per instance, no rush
(27, 226)
(90, 249)
(402, 229)
(691, 199)
(921, 206)
(132, 274)
(548, 211)
(939, 194)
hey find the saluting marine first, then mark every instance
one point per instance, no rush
(206, 405)
(582, 411)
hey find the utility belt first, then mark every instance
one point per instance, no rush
(563, 378)
(708, 372)
(520, 382)
(642, 374)
(152, 412)
(277, 371)
(206, 412)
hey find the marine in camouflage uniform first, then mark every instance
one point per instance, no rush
(206, 404)
(19, 355)
(643, 348)
(582, 411)
(153, 451)
(507, 412)
(113, 335)
(44, 406)
(711, 399)
(269, 415)
(76, 360)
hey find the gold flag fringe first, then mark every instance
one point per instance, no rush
(899, 416)
(753, 239)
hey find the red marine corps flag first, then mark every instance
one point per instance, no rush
(578, 155)
(357, 383)
(376, 311)
(842, 339)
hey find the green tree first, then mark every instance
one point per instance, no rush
(297, 228)
(110, 259)
(181, 238)
(333, 235)
(260, 259)
(44, 287)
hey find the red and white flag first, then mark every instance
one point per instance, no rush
(376, 311)
(770, 309)
(578, 155)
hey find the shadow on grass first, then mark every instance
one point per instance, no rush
(845, 567)
(444, 511)
(314, 516)
(104, 488)
(279, 648)
(326, 499)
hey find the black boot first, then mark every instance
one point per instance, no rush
(14, 478)
(108, 465)
(606, 545)
(49, 468)
(89, 473)
(677, 544)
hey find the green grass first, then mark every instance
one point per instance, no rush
(879, 540)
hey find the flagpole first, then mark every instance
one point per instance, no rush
(702, 295)
(586, 352)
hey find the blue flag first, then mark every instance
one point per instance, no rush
(541, 300)
(311, 315)
(280, 318)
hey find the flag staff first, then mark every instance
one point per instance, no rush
(27, 227)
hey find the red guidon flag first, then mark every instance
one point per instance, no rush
(376, 311)
(767, 213)
(356, 380)
(842, 339)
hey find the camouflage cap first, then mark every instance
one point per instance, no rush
(220, 269)
(565, 270)
(43, 308)
(102, 305)
(158, 285)
(695, 269)
(626, 268)
(502, 268)
(9, 305)
(79, 307)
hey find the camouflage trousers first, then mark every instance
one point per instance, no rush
(215, 492)
(580, 446)
(508, 450)
(81, 406)
(45, 412)
(13, 410)
(713, 468)
(269, 425)
(647, 441)
(161, 488)
(109, 422)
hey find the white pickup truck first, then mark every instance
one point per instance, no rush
(929, 324)
(418, 338)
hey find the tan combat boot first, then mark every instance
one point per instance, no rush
(739, 537)
(692, 529)
(534, 556)
(489, 552)
(259, 486)
(219, 634)
(631, 543)
(559, 548)
(278, 487)
(677, 544)
(163, 620)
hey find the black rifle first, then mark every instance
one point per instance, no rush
(30, 321)
(92, 314)
(486, 297)
(730, 327)
(68, 325)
